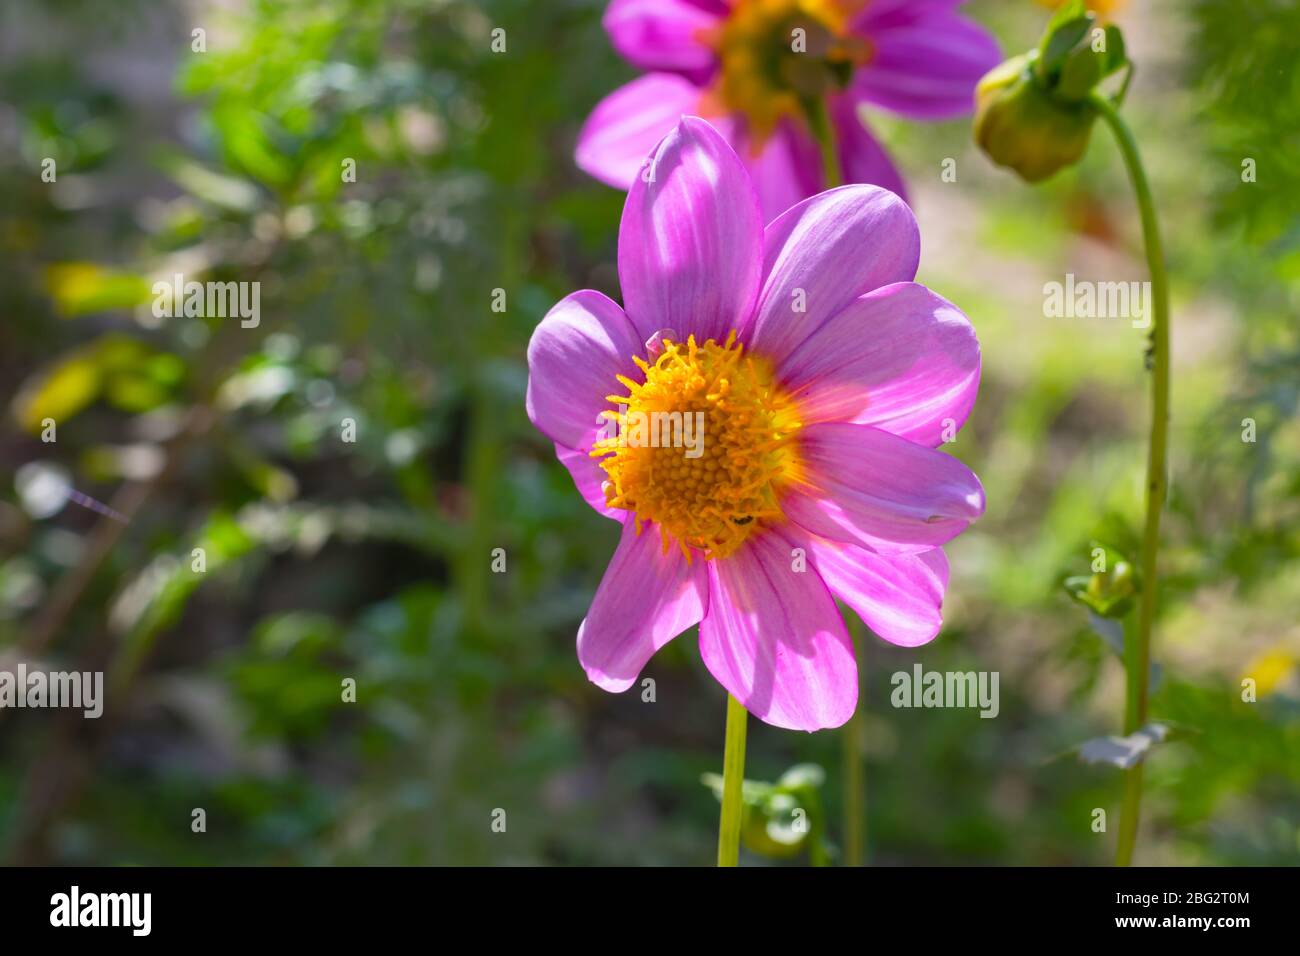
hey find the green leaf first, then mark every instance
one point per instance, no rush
(60, 392)
(1070, 10)
(1063, 34)
(1116, 55)
(226, 192)
(781, 820)
(126, 372)
(82, 288)
(802, 775)
(248, 146)
(1081, 72)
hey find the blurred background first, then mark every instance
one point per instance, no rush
(371, 560)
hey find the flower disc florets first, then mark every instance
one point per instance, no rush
(703, 446)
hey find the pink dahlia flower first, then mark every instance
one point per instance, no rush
(822, 379)
(745, 66)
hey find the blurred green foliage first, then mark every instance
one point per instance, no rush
(325, 559)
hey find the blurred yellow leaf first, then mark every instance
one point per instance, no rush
(123, 369)
(59, 393)
(80, 288)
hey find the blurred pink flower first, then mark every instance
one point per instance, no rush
(747, 66)
(824, 379)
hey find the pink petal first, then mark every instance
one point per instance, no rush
(900, 358)
(824, 253)
(787, 170)
(927, 69)
(628, 124)
(775, 640)
(892, 496)
(690, 241)
(862, 158)
(899, 597)
(879, 14)
(661, 34)
(588, 477)
(645, 599)
(574, 357)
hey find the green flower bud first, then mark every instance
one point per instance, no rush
(1023, 126)
(1109, 593)
(1032, 113)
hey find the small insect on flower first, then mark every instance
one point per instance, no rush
(756, 68)
(826, 379)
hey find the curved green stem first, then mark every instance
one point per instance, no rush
(1138, 653)
(733, 776)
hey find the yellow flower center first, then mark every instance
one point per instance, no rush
(776, 55)
(703, 447)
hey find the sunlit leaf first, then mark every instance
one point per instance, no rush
(244, 138)
(227, 192)
(80, 288)
(60, 392)
(128, 373)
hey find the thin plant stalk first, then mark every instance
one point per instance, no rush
(823, 132)
(1137, 655)
(733, 777)
(855, 768)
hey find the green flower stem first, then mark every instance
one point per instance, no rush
(1128, 815)
(819, 122)
(854, 769)
(733, 776)
(1138, 651)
